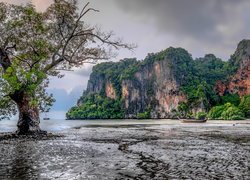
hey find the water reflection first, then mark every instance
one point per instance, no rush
(59, 125)
(24, 164)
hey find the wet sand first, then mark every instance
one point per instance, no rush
(169, 150)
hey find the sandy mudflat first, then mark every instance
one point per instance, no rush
(215, 150)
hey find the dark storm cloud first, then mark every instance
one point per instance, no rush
(202, 19)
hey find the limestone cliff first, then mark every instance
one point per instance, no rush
(238, 82)
(164, 83)
(152, 85)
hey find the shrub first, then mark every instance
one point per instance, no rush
(226, 112)
(245, 105)
(231, 98)
(183, 109)
(201, 115)
(97, 107)
(235, 117)
(215, 112)
(143, 115)
(190, 115)
(232, 113)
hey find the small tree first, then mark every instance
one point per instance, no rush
(245, 105)
(201, 115)
(36, 45)
(183, 109)
(226, 112)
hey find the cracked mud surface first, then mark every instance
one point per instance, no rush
(131, 152)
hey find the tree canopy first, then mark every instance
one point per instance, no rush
(36, 45)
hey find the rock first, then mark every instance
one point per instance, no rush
(153, 87)
(239, 82)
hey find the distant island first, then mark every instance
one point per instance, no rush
(169, 84)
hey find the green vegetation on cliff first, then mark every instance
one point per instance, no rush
(115, 72)
(227, 111)
(235, 59)
(97, 107)
(199, 87)
(195, 78)
(245, 105)
(233, 109)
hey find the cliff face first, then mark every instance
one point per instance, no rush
(238, 82)
(153, 88)
(164, 84)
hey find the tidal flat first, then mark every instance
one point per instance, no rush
(214, 150)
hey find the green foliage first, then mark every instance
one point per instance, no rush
(115, 72)
(215, 112)
(234, 61)
(226, 112)
(183, 109)
(97, 107)
(144, 115)
(196, 78)
(231, 98)
(36, 45)
(245, 105)
(202, 76)
(201, 115)
(210, 68)
(232, 113)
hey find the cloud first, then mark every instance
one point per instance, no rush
(84, 71)
(200, 26)
(65, 100)
(69, 81)
(215, 25)
(196, 18)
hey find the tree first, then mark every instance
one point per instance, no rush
(245, 105)
(227, 111)
(36, 45)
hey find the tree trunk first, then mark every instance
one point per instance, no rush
(29, 120)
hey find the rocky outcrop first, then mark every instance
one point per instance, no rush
(109, 90)
(157, 85)
(95, 83)
(239, 82)
(154, 88)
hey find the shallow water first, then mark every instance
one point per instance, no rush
(118, 149)
(59, 125)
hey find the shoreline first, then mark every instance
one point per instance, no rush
(170, 150)
(61, 125)
(158, 121)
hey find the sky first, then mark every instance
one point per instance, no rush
(199, 26)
